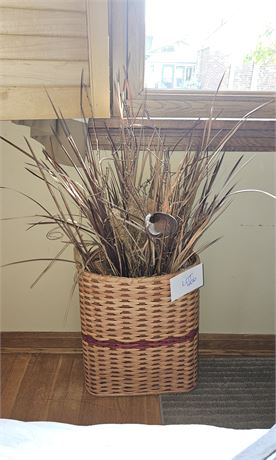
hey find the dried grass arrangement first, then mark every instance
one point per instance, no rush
(126, 212)
(133, 220)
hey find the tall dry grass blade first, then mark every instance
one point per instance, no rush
(49, 265)
(114, 193)
(42, 259)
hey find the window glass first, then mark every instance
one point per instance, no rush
(191, 45)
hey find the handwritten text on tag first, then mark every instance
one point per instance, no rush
(186, 282)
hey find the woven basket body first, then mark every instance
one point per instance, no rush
(135, 340)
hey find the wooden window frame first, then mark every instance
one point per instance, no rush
(128, 40)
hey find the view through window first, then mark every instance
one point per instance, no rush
(192, 44)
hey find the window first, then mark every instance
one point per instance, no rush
(167, 76)
(180, 94)
(189, 72)
(180, 76)
(236, 39)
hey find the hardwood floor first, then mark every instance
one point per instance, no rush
(51, 387)
(42, 378)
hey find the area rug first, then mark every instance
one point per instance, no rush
(231, 393)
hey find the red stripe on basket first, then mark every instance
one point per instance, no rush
(139, 344)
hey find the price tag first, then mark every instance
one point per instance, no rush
(186, 282)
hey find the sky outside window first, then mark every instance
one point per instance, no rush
(213, 38)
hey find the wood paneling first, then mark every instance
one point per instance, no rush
(45, 43)
(65, 5)
(43, 48)
(42, 22)
(136, 46)
(70, 342)
(51, 387)
(118, 31)
(42, 73)
(171, 105)
(22, 103)
(252, 136)
(98, 43)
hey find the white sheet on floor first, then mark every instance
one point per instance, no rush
(59, 441)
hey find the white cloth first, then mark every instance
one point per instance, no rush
(59, 441)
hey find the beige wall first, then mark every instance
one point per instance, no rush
(43, 307)
(239, 293)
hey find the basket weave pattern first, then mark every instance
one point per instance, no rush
(135, 340)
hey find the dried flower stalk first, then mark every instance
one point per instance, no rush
(113, 195)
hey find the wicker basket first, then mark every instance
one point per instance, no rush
(135, 340)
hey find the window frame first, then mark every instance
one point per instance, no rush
(128, 47)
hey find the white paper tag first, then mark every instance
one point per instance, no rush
(186, 282)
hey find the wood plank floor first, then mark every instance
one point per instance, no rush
(51, 387)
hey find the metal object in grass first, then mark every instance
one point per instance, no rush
(161, 224)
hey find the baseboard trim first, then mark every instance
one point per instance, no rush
(213, 345)
(41, 342)
(237, 345)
